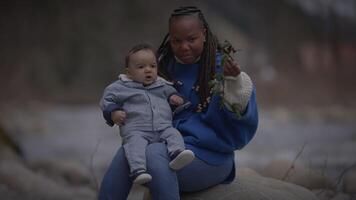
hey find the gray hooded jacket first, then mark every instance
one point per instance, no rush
(147, 108)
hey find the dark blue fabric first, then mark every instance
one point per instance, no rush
(107, 113)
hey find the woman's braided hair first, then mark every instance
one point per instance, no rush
(207, 59)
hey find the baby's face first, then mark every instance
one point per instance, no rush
(142, 67)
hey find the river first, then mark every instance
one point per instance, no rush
(78, 132)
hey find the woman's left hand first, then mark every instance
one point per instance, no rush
(231, 68)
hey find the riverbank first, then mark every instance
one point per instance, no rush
(76, 137)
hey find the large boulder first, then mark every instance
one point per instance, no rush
(249, 187)
(297, 174)
(253, 187)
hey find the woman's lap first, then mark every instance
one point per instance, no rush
(164, 183)
(198, 175)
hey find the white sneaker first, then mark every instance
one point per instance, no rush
(142, 178)
(182, 159)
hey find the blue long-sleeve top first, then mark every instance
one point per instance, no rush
(214, 134)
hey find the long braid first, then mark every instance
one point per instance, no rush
(164, 54)
(207, 60)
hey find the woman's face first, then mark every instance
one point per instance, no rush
(187, 37)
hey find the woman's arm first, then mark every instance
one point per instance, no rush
(235, 130)
(237, 92)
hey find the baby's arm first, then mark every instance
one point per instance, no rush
(110, 106)
(177, 102)
(172, 95)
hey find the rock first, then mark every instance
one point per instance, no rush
(297, 174)
(138, 192)
(349, 182)
(9, 149)
(246, 172)
(252, 188)
(341, 196)
(6, 140)
(8, 194)
(17, 177)
(324, 194)
(7, 153)
(70, 171)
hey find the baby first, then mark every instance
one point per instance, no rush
(139, 102)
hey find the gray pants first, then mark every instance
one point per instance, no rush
(135, 143)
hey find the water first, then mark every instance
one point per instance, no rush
(326, 145)
(74, 132)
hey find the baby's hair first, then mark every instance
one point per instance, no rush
(136, 48)
(207, 60)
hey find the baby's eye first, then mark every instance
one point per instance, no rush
(153, 66)
(140, 66)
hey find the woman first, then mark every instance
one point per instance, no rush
(216, 124)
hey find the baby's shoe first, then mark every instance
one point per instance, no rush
(181, 159)
(141, 177)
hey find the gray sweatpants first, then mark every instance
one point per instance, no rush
(135, 143)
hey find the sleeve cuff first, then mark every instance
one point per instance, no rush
(107, 113)
(174, 93)
(238, 91)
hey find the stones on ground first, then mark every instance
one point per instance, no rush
(6, 153)
(16, 176)
(341, 196)
(67, 171)
(323, 194)
(349, 182)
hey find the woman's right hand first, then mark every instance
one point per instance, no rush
(231, 68)
(118, 117)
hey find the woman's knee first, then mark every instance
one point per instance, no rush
(157, 158)
(209, 175)
(157, 151)
(119, 158)
(164, 184)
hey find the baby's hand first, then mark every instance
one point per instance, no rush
(118, 117)
(176, 100)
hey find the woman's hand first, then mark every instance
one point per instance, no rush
(118, 117)
(231, 68)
